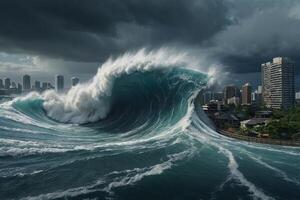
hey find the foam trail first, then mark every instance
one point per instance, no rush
(278, 171)
(236, 174)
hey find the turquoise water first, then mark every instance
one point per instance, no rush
(153, 144)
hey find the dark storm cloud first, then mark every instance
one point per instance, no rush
(271, 29)
(91, 30)
(238, 34)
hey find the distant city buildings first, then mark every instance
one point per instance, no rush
(208, 96)
(20, 88)
(278, 83)
(234, 100)
(59, 83)
(74, 81)
(213, 106)
(246, 94)
(231, 91)
(276, 92)
(218, 96)
(13, 85)
(256, 96)
(1, 84)
(47, 86)
(7, 83)
(26, 83)
(8, 87)
(37, 86)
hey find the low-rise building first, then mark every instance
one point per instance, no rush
(263, 114)
(250, 123)
(224, 120)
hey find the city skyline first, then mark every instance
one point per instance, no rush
(276, 90)
(29, 85)
(74, 80)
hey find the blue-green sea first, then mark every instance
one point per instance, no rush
(154, 142)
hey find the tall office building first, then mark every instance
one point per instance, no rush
(1, 84)
(26, 83)
(59, 82)
(246, 94)
(231, 91)
(278, 82)
(37, 85)
(13, 85)
(19, 88)
(75, 81)
(7, 83)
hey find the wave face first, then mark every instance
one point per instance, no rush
(134, 132)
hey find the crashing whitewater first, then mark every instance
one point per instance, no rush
(135, 131)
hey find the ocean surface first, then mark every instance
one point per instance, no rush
(134, 132)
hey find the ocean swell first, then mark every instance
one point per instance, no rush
(91, 101)
(135, 131)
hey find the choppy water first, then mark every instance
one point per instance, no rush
(150, 143)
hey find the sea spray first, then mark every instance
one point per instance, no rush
(91, 101)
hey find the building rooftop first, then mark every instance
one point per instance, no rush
(254, 121)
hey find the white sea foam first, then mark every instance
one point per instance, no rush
(138, 174)
(232, 164)
(278, 171)
(237, 175)
(90, 101)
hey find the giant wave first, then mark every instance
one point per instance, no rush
(135, 131)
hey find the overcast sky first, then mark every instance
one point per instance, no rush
(75, 36)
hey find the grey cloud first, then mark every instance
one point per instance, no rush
(91, 30)
(76, 34)
(268, 32)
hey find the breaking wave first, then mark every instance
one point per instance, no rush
(135, 131)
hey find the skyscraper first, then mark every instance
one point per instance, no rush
(246, 94)
(59, 82)
(7, 83)
(37, 85)
(231, 91)
(26, 83)
(44, 86)
(19, 88)
(75, 81)
(13, 85)
(278, 81)
(1, 84)
(257, 96)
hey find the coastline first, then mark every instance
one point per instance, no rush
(259, 140)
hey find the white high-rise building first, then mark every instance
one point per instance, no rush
(278, 83)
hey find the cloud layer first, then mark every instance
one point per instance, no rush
(237, 34)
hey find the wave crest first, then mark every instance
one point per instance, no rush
(91, 101)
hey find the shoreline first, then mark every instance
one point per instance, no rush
(259, 140)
